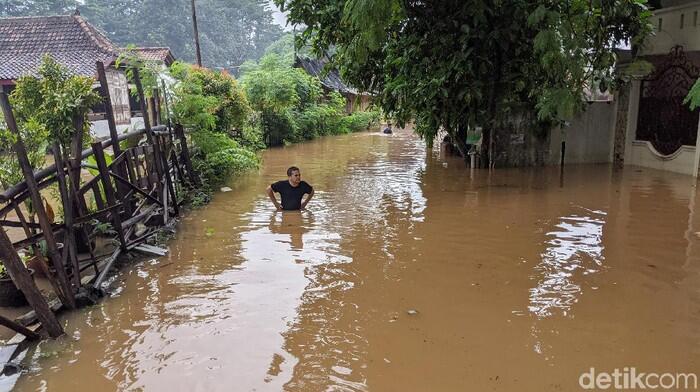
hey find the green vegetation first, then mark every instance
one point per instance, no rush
(231, 31)
(46, 110)
(456, 64)
(291, 104)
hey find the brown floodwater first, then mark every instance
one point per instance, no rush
(407, 273)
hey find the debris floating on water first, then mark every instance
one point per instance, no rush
(412, 312)
(226, 189)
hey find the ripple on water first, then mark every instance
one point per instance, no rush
(574, 247)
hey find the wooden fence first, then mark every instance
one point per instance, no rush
(133, 195)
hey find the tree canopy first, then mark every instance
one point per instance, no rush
(453, 64)
(231, 31)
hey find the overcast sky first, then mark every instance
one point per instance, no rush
(279, 16)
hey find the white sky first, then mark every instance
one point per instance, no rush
(280, 17)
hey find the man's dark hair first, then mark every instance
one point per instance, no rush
(292, 170)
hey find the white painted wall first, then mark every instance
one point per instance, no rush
(679, 25)
(588, 138)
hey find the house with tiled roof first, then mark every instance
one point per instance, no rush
(156, 55)
(73, 43)
(78, 46)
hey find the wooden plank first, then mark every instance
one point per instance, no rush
(136, 189)
(131, 169)
(142, 103)
(31, 335)
(154, 250)
(37, 253)
(70, 249)
(7, 223)
(20, 276)
(36, 238)
(101, 277)
(53, 252)
(109, 192)
(97, 192)
(167, 105)
(31, 317)
(42, 174)
(89, 217)
(139, 217)
(185, 154)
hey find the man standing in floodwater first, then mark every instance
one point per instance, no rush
(291, 190)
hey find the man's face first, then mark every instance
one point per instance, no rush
(295, 178)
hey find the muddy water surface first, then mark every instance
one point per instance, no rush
(407, 273)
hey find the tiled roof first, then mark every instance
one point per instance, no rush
(330, 80)
(156, 54)
(69, 39)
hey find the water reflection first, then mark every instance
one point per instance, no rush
(292, 223)
(574, 248)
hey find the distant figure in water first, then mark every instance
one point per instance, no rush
(447, 146)
(291, 191)
(388, 130)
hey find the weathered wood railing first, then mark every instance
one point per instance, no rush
(138, 184)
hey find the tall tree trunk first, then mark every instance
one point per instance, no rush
(460, 140)
(489, 129)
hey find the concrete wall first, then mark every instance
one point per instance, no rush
(676, 25)
(589, 138)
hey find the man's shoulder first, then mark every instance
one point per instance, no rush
(279, 184)
(306, 185)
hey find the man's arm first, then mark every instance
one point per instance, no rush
(271, 195)
(308, 197)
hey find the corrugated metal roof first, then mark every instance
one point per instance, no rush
(330, 79)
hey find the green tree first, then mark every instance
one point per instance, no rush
(456, 64)
(36, 7)
(231, 31)
(206, 99)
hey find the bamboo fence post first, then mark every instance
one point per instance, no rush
(69, 246)
(31, 335)
(35, 249)
(20, 276)
(152, 102)
(167, 106)
(53, 253)
(168, 179)
(142, 103)
(121, 189)
(76, 149)
(109, 191)
(147, 125)
(180, 133)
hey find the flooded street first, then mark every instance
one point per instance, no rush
(407, 273)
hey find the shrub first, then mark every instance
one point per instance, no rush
(206, 99)
(216, 157)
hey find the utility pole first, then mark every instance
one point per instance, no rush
(196, 35)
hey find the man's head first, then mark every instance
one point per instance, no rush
(294, 175)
